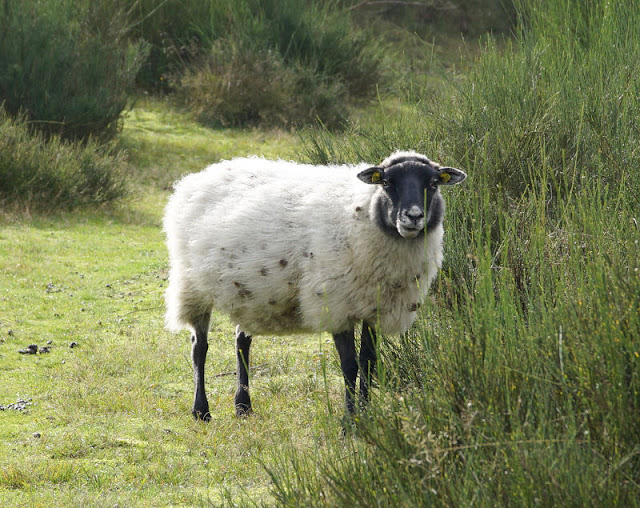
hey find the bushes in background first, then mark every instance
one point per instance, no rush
(67, 72)
(71, 67)
(270, 62)
(265, 62)
(47, 173)
(562, 98)
(278, 63)
(67, 67)
(235, 86)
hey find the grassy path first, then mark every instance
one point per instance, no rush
(108, 421)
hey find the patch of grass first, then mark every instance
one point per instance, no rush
(109, 420)
(165, 143)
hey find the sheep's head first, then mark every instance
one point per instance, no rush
(409, 199)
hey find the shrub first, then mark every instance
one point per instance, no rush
(67, 66)
(278, 63)
(46, 173)
(520, 385)
(242, 86)
(169, 28)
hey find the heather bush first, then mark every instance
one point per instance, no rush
(243, 86)
(68, 67)
(47, 174)
(278, 63)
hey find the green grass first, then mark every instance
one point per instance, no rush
(165, 143)
(113, 413)
(519, 385)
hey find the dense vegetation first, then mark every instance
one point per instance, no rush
(519, 384)
(48, 173)
(67, 66)
(280, 62)
(70, 70)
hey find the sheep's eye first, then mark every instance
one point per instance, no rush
(386, 183)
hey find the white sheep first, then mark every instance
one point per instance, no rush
(284, 247)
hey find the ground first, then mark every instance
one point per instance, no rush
(104, 417)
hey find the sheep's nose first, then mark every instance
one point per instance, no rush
(415, 214)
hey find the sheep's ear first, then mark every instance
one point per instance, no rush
(450, 176)
(372, 175)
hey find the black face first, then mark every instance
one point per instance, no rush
(410, 199)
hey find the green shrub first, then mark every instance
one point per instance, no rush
(316, 35)
(46, 173)
(323, 58)
(320, 36)
(278, 63)
(520, 384)
(169, 28)
(67, 66)
(245, 86)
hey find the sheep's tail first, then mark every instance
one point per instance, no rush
(173, 317)
(185, 307)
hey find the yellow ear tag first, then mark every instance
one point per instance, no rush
(445, 177)
(375, 177)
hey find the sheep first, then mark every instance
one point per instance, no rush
(285, 248)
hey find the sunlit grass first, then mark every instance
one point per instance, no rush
(109, 421)
(165, 143)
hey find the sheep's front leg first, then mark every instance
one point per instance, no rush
(368, 358)
(345, 343)
(242, 400)
(199, 349)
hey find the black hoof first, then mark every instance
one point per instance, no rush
(242, 411)
(203, 415)
(243, 402)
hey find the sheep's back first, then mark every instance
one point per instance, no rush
(239, 236)
(283, 247)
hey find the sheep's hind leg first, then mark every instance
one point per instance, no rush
(242, 399)
(345, 344)
(368, 359)
(199, 349)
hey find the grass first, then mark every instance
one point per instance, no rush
(521, 382)
(165, 144)
(519, 385)
(112, 415)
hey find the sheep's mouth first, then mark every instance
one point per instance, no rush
(408, 231)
